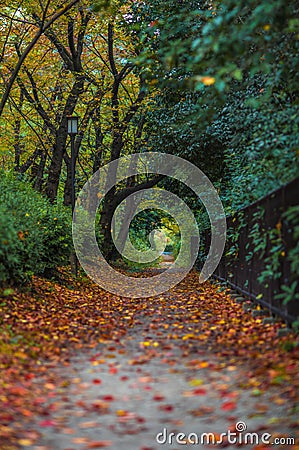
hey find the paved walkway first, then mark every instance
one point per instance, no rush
(171, 373)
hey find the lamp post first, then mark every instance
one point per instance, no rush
(72, 129)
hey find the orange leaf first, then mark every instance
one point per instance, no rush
(99, 444)
(228, 406)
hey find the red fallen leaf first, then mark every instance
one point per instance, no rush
(113, 370)
(6, 417)
(26, 412)
(199, 391)
(108, 398)
(29, 376)
(95, 357)
(140, 419)
(47, 423)
(124, 378)
(99, 444)
(158, 398)
(228, 406)
(229, 394)
(99, 405)
(166, 408)
(18, 390)
(39, 401)
(97, 381)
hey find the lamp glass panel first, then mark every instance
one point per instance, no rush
(72, 125)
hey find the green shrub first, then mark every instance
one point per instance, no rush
(35, 236)
(10, 246)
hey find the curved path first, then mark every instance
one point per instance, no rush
(192, 362)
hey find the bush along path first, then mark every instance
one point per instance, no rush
(82, 369)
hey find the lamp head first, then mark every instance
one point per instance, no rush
(72, 124)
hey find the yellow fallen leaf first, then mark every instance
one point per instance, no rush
(203, 364)
(25, 442)
(196, 382)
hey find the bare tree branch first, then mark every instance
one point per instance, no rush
(29, 124)
(121, 195)
(36, 103)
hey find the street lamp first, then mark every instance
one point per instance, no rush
(72, 124)
(72, 129)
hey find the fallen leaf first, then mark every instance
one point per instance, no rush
(99, 444)
(228, 406)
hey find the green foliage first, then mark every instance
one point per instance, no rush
(261, 144)
(210, 44)
(104, 6)
(291, 217)
(289, 293)
(10, 247)
(135, 266)
(35, 236)
(177, 125)
(229, 101)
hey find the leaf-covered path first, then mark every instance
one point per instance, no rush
(84, 369)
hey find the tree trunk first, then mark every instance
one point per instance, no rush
(38, 183)
(56, 162)
(130, 208)
(99, 137)
(67, 197)
(17, 144)
(107, 246)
